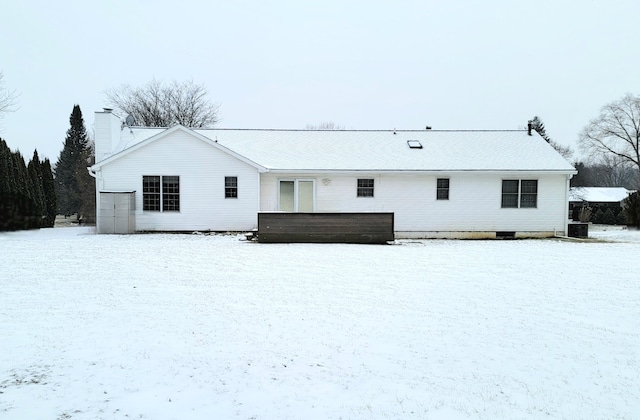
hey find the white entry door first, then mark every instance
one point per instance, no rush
(297, 195)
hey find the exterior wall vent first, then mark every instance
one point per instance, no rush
(414, 144)
(505, 235)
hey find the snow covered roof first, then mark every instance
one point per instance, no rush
(377, 150)
(598, 194)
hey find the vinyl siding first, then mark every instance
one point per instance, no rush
(202, 169)
(474, 203)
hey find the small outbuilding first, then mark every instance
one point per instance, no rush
(602, 198)
(116, 212)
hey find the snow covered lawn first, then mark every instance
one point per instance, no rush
(204, 327)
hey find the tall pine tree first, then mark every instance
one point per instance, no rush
(68, 192)
(34, 169)
(6, 186)
(49, 187)
(23, 197)
(87, 185)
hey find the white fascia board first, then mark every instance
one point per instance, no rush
(417, 172)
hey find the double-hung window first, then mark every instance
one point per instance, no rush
(529, 193)
(151, 193)
(160, 193)
(519, 193)
(365, 187)
(230, 187)
(442, 189)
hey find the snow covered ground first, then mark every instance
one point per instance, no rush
(203, 327)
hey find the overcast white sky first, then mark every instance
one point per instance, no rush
(364, 64)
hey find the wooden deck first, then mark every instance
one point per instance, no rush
(359, 228)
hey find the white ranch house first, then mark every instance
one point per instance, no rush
(438, 184)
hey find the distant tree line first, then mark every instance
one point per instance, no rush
(27, 192)
(605, 173)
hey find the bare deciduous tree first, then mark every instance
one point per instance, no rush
(608, 171)
(8, 98)
(163, 105)
(615, 132)
(325, 125)
(616, 171)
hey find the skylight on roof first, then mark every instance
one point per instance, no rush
(414, 144)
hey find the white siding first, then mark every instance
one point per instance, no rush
(202, 169)
(473, 209)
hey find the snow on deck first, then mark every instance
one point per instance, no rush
(194, 326)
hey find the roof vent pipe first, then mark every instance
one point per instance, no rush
(529, 127)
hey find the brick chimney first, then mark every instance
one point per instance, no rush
(107, 130)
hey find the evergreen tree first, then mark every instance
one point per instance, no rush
(608, 218)
(87, 186)
(597, 217)
(538, 125)
(68, 193)
(6, 186)
(632, 209)
(35, 177)
(49, 188)
(23, 193)
(5, 155)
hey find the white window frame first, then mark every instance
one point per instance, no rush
(295, 192)
(163, 193)
(519, 193)
(366, 188)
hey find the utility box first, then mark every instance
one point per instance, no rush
(117, 212)
(578, 230)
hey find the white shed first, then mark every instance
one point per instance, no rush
(116, 213)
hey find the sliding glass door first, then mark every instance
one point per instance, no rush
(297, 195)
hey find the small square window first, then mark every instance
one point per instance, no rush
(230, 187)
(442, 190)
(365, 187)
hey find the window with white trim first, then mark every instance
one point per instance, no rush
(230, 187)
(160, 193)
(442, 189)
(365, 187)
(296, 195)
(519, 193)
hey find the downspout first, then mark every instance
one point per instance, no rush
(566, 205)
(94, 175)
